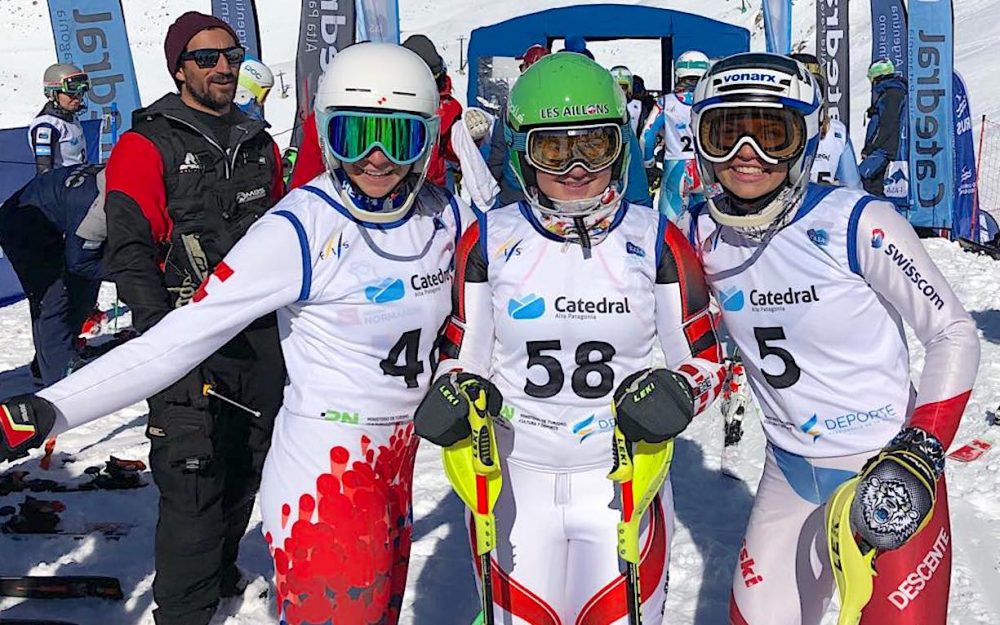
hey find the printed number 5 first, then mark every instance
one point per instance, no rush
(791, 373)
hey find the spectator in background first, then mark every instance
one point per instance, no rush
(576, 43)
(884, 157)
(624, 78)
(253, 87)
(59, 266)
(645, 98)
(449, 111)
(498, 159)
(835, 161)
(56, 135)
(184, 185)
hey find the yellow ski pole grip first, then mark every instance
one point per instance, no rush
(852, 569)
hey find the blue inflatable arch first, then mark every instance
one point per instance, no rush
(676, 30)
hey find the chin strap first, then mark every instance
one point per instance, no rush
(585, 230)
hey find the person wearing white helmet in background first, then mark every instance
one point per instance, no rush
(358, 266)
(56, 135)
(814, 283)
(253, 87)
(623, 76)
(835, 161)
(670, 123)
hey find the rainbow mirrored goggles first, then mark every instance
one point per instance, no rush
(560, 149)
(402, 137)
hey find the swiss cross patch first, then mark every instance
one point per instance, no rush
(222, 271)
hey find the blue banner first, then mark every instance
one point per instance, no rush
(91, 35)
(778, 26)
(931, 108)
(832, 49)
(889, 33)
(378, 20)
(242, 16)
(964, 212)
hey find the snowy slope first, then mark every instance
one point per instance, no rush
(712, 510)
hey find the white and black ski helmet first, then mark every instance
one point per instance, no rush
(756, 81)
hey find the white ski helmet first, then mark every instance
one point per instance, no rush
(691, 64)
(383, 78)
(255, 82)
(755, 86)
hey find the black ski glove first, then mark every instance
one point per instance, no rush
(654, 405)
(25, 423)
(895, 496)
(443, 415)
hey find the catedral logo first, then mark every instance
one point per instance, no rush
(567, 308)
(832, 33)
(914, 583)
(931, 105)
(429, 283)
(905, 264)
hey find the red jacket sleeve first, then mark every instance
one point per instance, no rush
(309, 162)
(138, 224)
(135, 168)
(278, 179)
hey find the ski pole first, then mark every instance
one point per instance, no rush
(853, 564)
(640, 469)
(473, 469)
(207, 390)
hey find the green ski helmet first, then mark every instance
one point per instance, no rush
(566, 90)
(881, 68)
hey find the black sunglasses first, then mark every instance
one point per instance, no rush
(207, 58)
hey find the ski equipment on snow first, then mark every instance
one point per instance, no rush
(32, 621)
(853, 564)
(640, 470)
(61, 587)
(972, 450)
(116, 474)
(473, 468)
(41, 517)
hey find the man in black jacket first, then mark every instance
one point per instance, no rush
(183, 186)
(884, 156)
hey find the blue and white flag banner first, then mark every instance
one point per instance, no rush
(778, 26)
(889, 33)
(378, 20)
(932, 113)
(91, 35)
(241, 15)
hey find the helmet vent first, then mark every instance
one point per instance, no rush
(407, 93)
(358, 90)
(771, 88)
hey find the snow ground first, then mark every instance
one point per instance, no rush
(711, 509)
